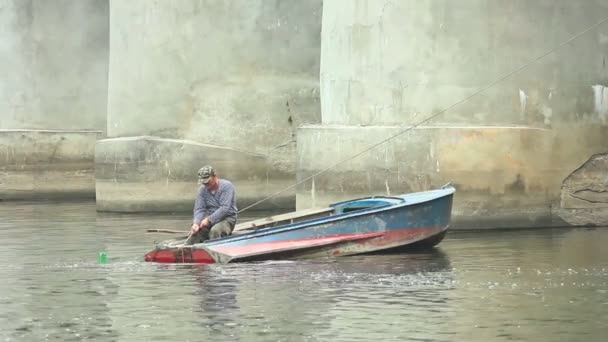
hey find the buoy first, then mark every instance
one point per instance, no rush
(102, 257)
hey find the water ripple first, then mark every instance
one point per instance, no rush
(521, 285)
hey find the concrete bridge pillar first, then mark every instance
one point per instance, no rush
(197, 82)
(387, 65)
(53, 91)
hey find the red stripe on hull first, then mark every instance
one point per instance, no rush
(341, 244)
(271, 247)
(393, 238)
(404, 236)
(370, 241)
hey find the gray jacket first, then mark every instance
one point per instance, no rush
(217, 206)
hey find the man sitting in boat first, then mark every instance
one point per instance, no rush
(214, 209)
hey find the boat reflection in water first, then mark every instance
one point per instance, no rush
(331, 294)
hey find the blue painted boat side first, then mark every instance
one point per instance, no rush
(409, 200)
(427, 209)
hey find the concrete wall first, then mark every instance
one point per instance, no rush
(136, 174)
(54, 64)
(45, 164)
(505, 176)
(387, 64)
(53, 95)
(238, 75)
(186, 83)
(397, 61)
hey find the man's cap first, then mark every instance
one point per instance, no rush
(205, 173)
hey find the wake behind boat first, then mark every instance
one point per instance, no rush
(364, 225)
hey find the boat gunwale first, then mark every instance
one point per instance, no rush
(400, 199)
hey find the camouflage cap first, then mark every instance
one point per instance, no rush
(205, 173)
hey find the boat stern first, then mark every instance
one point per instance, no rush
(179, 255)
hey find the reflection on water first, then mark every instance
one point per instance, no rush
(542, 285)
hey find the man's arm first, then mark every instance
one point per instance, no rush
(226, 198)
(199, 208)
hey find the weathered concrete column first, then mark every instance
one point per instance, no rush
(230, 75)
(388, 64)
(53, 91)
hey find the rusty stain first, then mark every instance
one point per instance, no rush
(514, 162)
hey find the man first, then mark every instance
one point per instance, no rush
(214, 209)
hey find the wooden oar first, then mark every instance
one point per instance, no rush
(168, 231)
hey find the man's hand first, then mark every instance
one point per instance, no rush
(205, 223)
(195, 228)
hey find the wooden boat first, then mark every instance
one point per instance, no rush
(364, 225)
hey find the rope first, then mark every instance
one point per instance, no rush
(183, 245)
(490, 85)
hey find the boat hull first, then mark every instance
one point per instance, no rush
(417, 219)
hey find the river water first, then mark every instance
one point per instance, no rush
(528, 285)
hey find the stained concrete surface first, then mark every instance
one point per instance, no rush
(155, 174)
(387, 65)
(53, 96)
(238, 75)
(54, 64)
(518, 171)
(243, 76)
(394, 62)
(44, 165)
(584, 196)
